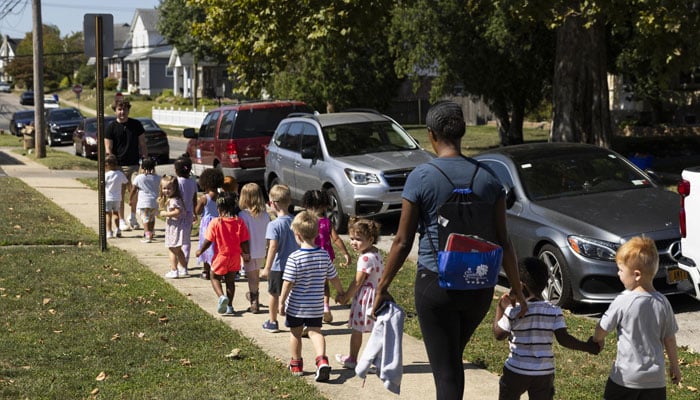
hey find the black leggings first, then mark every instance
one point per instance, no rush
(448, 318)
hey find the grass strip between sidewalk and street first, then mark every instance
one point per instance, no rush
(80, 323)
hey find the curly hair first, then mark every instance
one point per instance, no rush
(211, 179)
(366, 228)
(148, 165)
(183, 166)
(533, 274)
(227, 204)
(316, 200)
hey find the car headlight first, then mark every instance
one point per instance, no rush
(593, 248)
(90, 140)
(361, 177)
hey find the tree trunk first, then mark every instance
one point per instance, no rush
(580, 98)
(510, 124)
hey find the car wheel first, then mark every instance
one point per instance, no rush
(335, 212)
(84, 150)
(558, 290)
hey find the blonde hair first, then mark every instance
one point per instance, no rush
(252, 199)
(305, 224)
(364, 227)
(281, 194)
(168, 180)
(639, 253)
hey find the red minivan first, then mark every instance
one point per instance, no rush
(234, 137)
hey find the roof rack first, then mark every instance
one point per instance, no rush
(302, 115)
(367, 110)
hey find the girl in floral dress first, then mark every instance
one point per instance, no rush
(363, 236)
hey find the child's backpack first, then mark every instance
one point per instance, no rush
(468, 257)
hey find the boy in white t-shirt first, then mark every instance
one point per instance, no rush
(114, 179)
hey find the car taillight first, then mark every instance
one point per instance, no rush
(232, 153)
(684, 191)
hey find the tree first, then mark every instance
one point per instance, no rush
(478, 45)
(331, 53)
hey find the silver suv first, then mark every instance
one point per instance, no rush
(361, 159)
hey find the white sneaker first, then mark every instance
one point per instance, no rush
(172, 274)
(123, 225)
(133, 222)
(110, 235)
(182, 272)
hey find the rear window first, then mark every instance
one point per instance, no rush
(256, 122)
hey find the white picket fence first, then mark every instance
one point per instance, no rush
(172, 116)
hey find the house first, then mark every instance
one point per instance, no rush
(115, 65)
(212, 79)
(7, 53)
(146, 64)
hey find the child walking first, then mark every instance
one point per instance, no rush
(301, 299)
(231, 237)
(210, 181)
(147, 182)
(364, 234)
(645, 326)
(173, 209)
(281, 243)
(530, 365)
(317, 201)
(256, 218)
(114, 179)
(188, 191)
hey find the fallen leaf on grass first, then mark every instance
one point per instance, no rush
(17, 227)
(46, 301)
(95, 391)
(116, 337)
(234, 354)
(185, 362)
(101, 376)
(163, 319)
(692, 388)
(52, 311)
(149, 312)
(57, 331)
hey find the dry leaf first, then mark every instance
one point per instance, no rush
(116, 337)
(140, 335)
(163, 319)
(149, 312)
(17, 227)
(52, 311)
(185, 362)
(234, 354)
(102, 376)
(57, 331)
(95, 391)
(46, 301)
(692, 388)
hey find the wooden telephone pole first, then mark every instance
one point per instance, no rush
(38, 49)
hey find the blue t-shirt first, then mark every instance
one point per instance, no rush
(427, 188)
(281, 230)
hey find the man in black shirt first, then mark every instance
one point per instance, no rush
(124, 137)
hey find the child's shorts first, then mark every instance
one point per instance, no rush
(255, 264)
(294, 322)
(222, 268)
(148, 214)
(112, 205)
(274, 283)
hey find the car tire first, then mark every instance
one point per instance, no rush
(558, 290)
(339, 220)
(76, 150)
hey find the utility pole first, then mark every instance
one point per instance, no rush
(38, 49)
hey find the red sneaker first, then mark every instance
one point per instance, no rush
(297, 367)
(323, 369)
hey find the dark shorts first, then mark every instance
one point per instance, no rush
(274, 283)
(129, 171)
(512, 385)
(294, 322)
(613, 391)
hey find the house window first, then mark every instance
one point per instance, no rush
(169, 72)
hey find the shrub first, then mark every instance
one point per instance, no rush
(110, 84)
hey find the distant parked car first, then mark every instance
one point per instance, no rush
(19, 120)
(361, 159)
(156, 141)
(27, 98)
(5, 87)
(60, 125)
(50, 102)
(85, 137)
(574, 206)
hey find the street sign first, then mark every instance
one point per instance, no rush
(77, 89)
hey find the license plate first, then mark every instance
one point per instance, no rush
(676, 275)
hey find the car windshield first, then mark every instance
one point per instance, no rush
(149, 124)
(574, 174)
(363, 138)
(64, 115)
(24, 114)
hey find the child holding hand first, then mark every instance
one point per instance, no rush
(173, 209)
(211, 180)
(363, 236)
(147, 184)
(114, 179)
(231, 237)
(645, 326)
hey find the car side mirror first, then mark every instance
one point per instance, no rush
(189, 133)
(309, 153)
(510, 197)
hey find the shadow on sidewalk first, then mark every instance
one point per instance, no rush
(6, 159)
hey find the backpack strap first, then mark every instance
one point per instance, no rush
(471, 182)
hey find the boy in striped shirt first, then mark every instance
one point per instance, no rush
(301, 299)
(530, 365)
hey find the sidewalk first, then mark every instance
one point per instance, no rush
(62, 188)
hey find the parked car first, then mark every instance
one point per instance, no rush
(574, 205)
(19, 120)
(361, 159)
(234, 137)
(27, 98)
(5, 87)
(85, 137)
(50, 102)
(156, 141)
(60, 125)
(689, 189)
